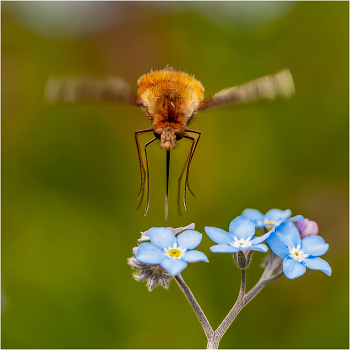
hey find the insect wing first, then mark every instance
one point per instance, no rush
(269, 87)
(88, 89)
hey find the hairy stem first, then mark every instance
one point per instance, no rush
(195, 306)
(235, 310)
(213, 343)
(259, 286)
(243, 300)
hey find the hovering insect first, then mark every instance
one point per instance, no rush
(170, 99)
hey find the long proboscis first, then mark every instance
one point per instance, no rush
(167, 183)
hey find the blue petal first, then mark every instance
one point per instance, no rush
(279, 222)
(149, 253)
(293, 268)
(296, 218)
(255, 216)
(289, 234)
(224, 248)
(189, 239)
(173, 266)
(258, 247)
(242, 227)
(162, 237)
(218, 235)
(317, 264)
(314, 245)
(257, 240)
(194, 256)
(277, 245)
(277, 214)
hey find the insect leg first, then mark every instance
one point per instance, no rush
(180, 177)
(186, 163)
(187, 166)
(147, 174)
(142, 168)
(193, 148)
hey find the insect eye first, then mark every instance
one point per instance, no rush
(158, 132)
(179, 134)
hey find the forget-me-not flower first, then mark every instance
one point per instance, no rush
(273, 217)
(297, 253)
(240, 237)
(172, 253)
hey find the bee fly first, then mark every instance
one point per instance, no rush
(170, 100)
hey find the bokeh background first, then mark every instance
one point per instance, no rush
(70, 174)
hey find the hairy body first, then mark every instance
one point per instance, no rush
(170, 97)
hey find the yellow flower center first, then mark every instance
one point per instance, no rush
(174, 253)
(297, 254)
(269, 227)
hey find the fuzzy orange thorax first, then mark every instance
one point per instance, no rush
(170, 98)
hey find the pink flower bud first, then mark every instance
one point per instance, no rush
(134, 250)
(307, 228)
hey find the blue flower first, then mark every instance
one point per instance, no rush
(172, 253)
(240, 237)
(273, 217)
(298, 254)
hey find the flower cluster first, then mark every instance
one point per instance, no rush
(293, 240)
(297, 245)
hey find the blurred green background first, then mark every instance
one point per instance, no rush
(70, 174)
